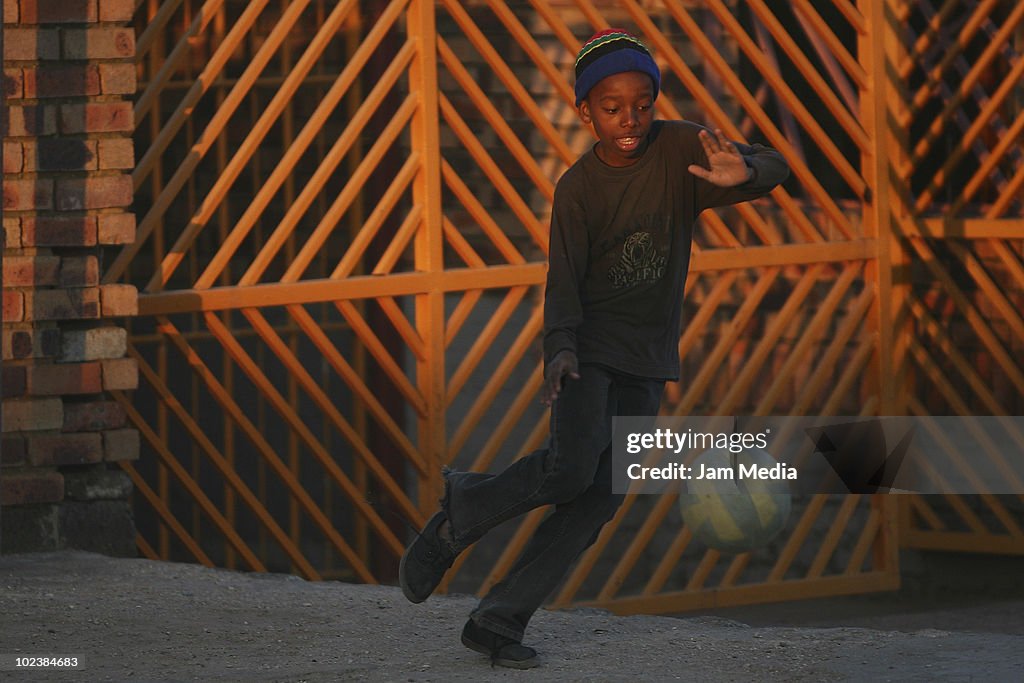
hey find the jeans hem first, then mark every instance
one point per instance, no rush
(496, 627)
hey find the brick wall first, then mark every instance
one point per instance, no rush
(69, 76)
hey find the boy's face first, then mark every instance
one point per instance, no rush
(621, 109)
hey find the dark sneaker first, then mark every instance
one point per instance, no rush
(425, 561)
(502, 651)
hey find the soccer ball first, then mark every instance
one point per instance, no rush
(729, 512)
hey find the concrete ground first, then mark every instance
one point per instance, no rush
(138, 620)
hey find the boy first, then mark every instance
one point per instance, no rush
(621, 229)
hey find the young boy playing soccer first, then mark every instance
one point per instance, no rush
(621, 229)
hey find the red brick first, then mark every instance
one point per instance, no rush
(33, 415)
(34, 342)
(17, 344)
(61, 154)
(117, 10)
(37, 487)
(14, 84)
(62, 80)
(60, 379)
(58, 231)
(121, 444)
(28, 194)
(14, 381)
(46, 342)
(74, 194)
(93, 416)
(12, 451)
(79, 271)
(116, 228)
(27, 271)
(99, 43)
(11, 12)
(119, 300)
(99, 117)
(118, 79)
(120, 374)
(117, 153)
(56, 450)
(48, 450)
(14, 161)
(14, 306)
(30, 121)
(31, 44)
(59, 11)
(93, 344)
(62, 304)
(12, 233)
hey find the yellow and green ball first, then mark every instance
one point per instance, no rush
(735, 515)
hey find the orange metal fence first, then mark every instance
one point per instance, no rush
(959, 184)
(342, 230)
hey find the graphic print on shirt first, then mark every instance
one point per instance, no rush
(639, 262)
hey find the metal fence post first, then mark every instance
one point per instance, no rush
(878, 50)
(429, 254)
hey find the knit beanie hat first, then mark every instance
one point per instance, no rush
(608, 52)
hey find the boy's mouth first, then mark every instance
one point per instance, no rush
(628, 144)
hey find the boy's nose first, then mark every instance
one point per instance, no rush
(630, 119)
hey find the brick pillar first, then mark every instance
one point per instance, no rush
(69, 76)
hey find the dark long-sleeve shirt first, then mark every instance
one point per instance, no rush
(620, 249)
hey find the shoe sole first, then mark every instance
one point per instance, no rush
(509, 663)
(406, 589)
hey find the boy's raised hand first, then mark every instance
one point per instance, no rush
(727, 165)
(564, 363)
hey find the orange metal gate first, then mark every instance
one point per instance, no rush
(959, 178)
(342, 229)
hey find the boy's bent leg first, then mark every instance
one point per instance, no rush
(558, 541)
(566, 533)
(476, 503)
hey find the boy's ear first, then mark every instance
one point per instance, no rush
(585, 111)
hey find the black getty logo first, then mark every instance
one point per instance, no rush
(857, 453)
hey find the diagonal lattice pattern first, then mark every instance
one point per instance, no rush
(960, 178)
(343, 216)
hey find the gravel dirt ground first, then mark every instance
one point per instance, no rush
(138, 620)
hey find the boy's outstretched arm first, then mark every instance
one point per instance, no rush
(731, 172)
(727, 165)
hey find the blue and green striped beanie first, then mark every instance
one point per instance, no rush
(612, 51)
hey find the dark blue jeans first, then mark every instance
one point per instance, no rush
(573, 473)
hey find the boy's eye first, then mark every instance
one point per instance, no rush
(613, 110)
